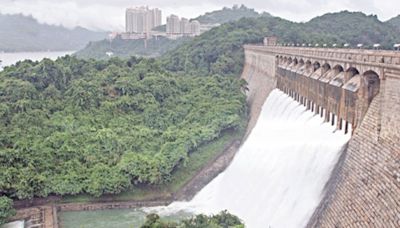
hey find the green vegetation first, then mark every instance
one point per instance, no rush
(395, 22)
(126, 48)
(220, 50)
(102, 127)
(348, 27)
(221, 220)
(6, 209)
(21, 33)
(183, 173)
(228, 14)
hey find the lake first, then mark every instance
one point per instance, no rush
(9, 58)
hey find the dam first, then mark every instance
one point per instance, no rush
(347, 87)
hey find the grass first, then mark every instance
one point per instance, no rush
(184, 173)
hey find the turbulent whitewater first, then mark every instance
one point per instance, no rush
(277, 177)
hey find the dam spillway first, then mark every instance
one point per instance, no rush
(277, 178)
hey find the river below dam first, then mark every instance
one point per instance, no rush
(276, 179)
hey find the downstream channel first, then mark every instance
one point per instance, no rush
(276, 179)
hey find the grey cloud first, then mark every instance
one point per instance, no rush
(109, 14)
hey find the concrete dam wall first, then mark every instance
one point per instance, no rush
(355, 90)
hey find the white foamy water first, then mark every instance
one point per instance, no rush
(277, 178)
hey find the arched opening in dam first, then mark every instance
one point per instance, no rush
(372, 84)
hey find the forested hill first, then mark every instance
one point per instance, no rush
(395, 22)
(126, 48)
(351, 27)
(74, 126)
(228, 14)
(22, 33)
(220, 50)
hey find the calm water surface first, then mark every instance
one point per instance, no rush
(9, 58)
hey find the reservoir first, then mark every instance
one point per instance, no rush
(9, 58)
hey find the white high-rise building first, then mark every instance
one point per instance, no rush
(142, 20)
(182, 27)
(173, 25)
(195, 28)
(185, 26)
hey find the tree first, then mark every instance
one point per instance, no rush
(222, 220)
(6, 209)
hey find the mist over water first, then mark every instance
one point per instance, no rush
(277, 177)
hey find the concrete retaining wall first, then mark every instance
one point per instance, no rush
(259, 72)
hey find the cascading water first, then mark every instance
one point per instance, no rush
(277, 177)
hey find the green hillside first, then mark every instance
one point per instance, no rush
(126, 48)
(98, 127)
(395, 22)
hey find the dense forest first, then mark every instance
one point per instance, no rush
(220, 50)
(73, 126)
(221, 220)
(22, 33)
(395, 22)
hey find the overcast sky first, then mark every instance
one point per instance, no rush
(109, 14)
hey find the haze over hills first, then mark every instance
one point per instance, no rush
(23, 33)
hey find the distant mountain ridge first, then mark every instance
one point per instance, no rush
(350, 27)
(228, 14)
(24, 33)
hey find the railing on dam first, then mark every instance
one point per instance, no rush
(361, 56)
